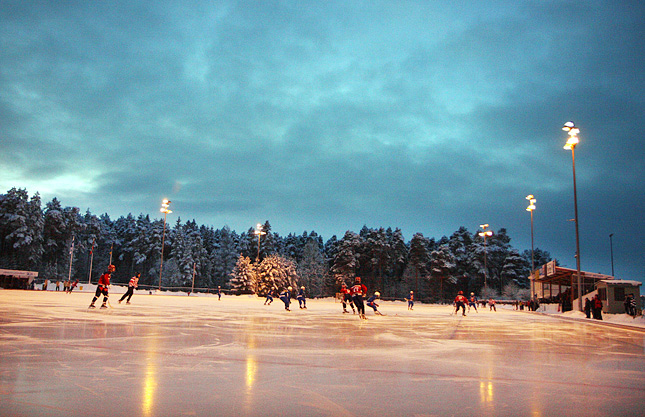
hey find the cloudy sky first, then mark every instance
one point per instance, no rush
(331, 115)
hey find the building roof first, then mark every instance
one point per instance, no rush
(622, 282)
(551, 274)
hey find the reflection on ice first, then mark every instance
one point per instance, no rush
(196, 356)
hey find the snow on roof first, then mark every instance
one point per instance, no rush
(622, 282)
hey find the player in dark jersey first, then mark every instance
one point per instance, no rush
(358, 291)
(371, 302)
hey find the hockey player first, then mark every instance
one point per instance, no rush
(491, 304)
(269, 299)
(358, 291)
(472, 302)
(72, 286)
(285, 296)
(102, 288)
(372, 303)
(219, 293)
(347, 298)
(410, 300)
(302, 300)
(460, 302)
(134, 283)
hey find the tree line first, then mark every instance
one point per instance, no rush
(46, 239)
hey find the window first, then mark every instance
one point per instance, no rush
(602, 293)
(619, 293)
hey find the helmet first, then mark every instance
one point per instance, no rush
(460, 293)
(378, 294)
(302, 288)
(472, 293)
(411, 292)
(111, 268)
(343, 285)
(290, 288)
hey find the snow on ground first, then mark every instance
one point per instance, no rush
(195, 355)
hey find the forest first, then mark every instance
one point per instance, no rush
(52, 238)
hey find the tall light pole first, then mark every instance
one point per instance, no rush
(485, 233)
(164, 209)
(259, 232)
(572, 141)
(611, 248)
(530, 209)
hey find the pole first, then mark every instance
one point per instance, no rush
(532, 260)
(611, 246)
(163, 237)
(71, 257)
(575, 205)
(89, 276)
(485, 263)
(258, 258)
(111, 247)
(193, 288)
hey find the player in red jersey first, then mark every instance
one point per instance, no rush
(460, 302)
(346, 298)
(102, 288)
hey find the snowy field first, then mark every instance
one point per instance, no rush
(197, 356)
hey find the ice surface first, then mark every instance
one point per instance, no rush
(197, 356)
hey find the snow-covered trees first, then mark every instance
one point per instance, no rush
(312, 269)
(38, 238)
(275, 273)
(243, 280)
(346, 260)
(418, 264)
(443, 267)
(21, 225)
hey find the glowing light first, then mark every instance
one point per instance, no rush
(532, 201)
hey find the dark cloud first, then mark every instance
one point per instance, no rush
(424, 116)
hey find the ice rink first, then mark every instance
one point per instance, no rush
(197, 356)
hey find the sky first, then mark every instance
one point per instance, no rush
(328, 116)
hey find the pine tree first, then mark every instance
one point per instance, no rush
(419, 259)
(443, 267)
(312, 269)
(515, 270)
(275, 273)
(346, 261)
(243, 277)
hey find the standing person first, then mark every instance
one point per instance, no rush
(410, 300)
(628, 304)
(588, 307)
(347, 298)
(372, 302)
(472, 302)
(269, 299)
(302, 300)
(102, 288)
(596, 307)
(460, 302)
(45, 285)
(285, 296)
(219, 293)
(58, 285)
(134, 283)
(491, 305)
(358, 291)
